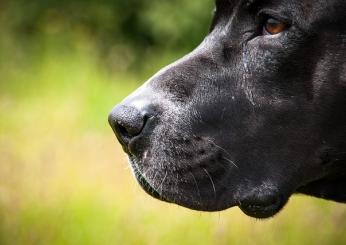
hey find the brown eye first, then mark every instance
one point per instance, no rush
(273, 26)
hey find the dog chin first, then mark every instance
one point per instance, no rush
(263, 203)
(261, 211)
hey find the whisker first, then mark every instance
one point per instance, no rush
(212, 182)
(154, 178)
(225, 151)
(145, 173)
(163, 180)
(196, 184)
(217, 146)
(230, 161)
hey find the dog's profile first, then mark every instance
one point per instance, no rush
(253, 115)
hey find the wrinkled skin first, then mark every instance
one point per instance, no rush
(249, 119)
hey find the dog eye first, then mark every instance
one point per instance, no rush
(273, 26)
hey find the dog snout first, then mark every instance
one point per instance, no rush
(127, 122)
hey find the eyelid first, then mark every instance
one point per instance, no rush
(268, 13)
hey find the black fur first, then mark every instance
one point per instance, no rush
(248, 119)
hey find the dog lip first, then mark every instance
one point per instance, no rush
(146, 186)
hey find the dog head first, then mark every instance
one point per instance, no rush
(252, 115)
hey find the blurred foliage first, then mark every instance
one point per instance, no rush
(130, 28)
(63, 178)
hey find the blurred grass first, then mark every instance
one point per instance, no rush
(65, 180)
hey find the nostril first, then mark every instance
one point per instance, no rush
(145, 120)
(123, 131)
(127, 122)
(129, 131)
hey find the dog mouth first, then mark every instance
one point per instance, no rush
(258, 206)
(204, 178)
(261, 202)
(143, 182)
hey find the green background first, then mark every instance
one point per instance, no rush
(63, 177)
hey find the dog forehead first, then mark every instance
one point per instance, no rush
(308, 4)
(306, 12)
(323, 15)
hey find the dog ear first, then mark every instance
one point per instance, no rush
(330, 189)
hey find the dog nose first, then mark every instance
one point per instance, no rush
(127, 122)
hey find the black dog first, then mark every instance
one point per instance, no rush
(256, 113)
